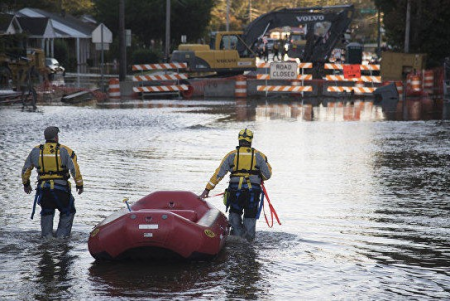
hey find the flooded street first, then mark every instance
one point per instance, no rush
(364, 202)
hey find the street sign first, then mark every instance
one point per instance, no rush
(283, 70)
(98, 37)
(352, 71)
(368, 11)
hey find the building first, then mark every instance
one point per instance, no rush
(76, 33)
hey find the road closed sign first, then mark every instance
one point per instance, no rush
(283, 70)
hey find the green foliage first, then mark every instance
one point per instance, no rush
(147, 19)
(429, 27)
(73, 7)
(145, 56)
(14, 45)
(62, 53)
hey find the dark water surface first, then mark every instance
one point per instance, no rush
(364, 202)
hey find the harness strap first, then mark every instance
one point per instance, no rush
(261, 205)
(56, 157)
(37, 200)
(241, 180)
(52, 186)
(41, 147)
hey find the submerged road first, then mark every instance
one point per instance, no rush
(364, 203)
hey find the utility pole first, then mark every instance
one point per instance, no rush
(249, 11)
(122, 45)
(167, 48)
(228, 16)
(408, 25)
(379, 34)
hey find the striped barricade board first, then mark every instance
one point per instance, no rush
(264, 88)
(299, 77)
(145, 67)
(167, 89)
(364, 78)
(144, 78)
(357, 90)
(331, 66)
(300, 65)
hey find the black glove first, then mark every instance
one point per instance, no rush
(27, 188)
(204, 194)
(79, 189)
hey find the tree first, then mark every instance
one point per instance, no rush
(73, 7)
(146, 19)
(430, 21)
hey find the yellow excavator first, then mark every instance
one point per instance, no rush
(20, 67)
(235, 52)
(221, 56)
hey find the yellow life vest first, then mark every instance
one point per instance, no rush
(244, 162)
(50, 167)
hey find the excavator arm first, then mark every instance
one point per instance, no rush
(325, 27)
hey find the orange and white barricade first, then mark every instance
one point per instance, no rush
(173, 83)
(114, 88)
(414, 84)
(240, 90)
(359, 87)
(428, 81)
(297, 85)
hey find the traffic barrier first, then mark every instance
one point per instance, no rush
(144, 67)
(263, 88)
(143, 78)
(296, 84)
(399, 86)
(299, 77)
(428, 81)
(174, 83)
(356, 90)
(167, 88)
(300, 65)
(364, 78)
(359, 82)
(240, 87)
(114, 88)
(416, 83)
(372, 67)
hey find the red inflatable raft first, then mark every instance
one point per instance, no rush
(162, 225)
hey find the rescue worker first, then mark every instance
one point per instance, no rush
(247, 167)
(54, 163)
(276, 49)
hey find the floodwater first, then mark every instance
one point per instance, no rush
(364, 202)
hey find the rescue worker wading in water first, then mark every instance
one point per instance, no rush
(248, 167)
(53, 162)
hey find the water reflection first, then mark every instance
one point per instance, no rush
(326, 109)
(338, 110)
(243, 273)
(53, 270)
(235, 271)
